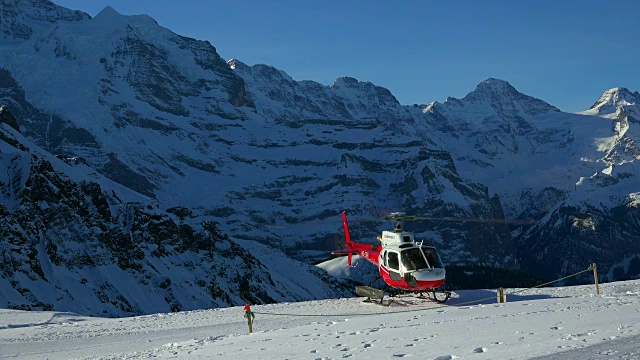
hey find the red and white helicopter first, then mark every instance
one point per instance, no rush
(404, 264)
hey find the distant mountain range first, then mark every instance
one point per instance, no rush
(163, 148)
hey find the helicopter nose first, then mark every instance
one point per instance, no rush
(410, 280)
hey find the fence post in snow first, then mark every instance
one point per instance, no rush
(595, 277)
(502, 297)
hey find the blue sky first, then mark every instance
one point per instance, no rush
(563, 52)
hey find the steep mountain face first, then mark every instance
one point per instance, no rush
(360, 155)
(522, 148)
(272, 160)
(70, 243)
(277, 96)
(600, 219)
(247, 146)
(49, 131)
(148, 79)
(607, 235)
(553, 167)
(613, 99)
(21, 19)
(505, 100)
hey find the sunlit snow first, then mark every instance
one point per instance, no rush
(534, 323)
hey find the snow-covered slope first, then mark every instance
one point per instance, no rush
(21, 20)
(547, 323)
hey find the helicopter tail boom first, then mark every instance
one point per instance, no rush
(367, 251)
(347, 237)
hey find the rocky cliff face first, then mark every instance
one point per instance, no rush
(572, 234)
(70, 243)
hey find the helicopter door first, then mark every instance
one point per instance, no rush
(394, 266)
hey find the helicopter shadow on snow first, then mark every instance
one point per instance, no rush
(485, 297)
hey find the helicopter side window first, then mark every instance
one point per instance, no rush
(393, 261)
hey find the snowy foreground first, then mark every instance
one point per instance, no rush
(535, 323)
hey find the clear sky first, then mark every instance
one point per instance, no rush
(563, 52)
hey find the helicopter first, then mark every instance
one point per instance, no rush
(404, 264)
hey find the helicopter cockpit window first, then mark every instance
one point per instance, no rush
(412, 259)
(393, 261)
(432, 257)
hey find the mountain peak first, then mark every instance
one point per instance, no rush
(109, 17)
(237, 64)
(108, 11)
(500, 95)
(346, 84)
(495, 86)
(612, 99)
(345, 81)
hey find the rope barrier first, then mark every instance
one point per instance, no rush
(431, 308)
(554, 281)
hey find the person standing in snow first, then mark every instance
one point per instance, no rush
(249, 315)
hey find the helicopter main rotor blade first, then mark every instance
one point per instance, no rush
(412, 218)
(478, 220)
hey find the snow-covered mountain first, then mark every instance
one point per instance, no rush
(246, 146)
(576, 173)
(259, 153)
(73, 240)
(613, 99)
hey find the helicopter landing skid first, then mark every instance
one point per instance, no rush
(437, 296)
